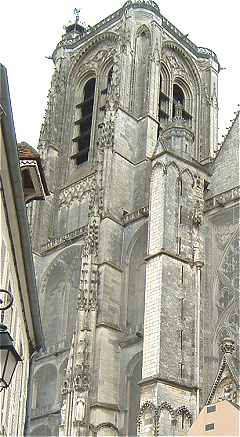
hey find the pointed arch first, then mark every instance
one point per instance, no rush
(108, 428)
(143, 29)
(159, 164)
(183, 420)
(58, 298)
(166, 406)
(93, 43)
(165, 416)
(193, 69)
(44, 386)
(189, 173)
(188, 95)
(164, 96)
(147, 419)
(174, 166)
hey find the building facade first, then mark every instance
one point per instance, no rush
(137, 247)
(17, 275)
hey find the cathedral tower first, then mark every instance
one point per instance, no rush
(129, 133)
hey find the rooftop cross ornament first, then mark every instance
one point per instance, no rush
(76, 13)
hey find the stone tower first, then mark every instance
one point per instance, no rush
(128, 141)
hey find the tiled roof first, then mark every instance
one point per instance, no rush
(27, 152)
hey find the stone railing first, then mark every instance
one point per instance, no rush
(79, 232)
(222, 199)
(146, 4)
(135, 215)
(201, 52)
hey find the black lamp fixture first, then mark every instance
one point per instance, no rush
(9, 357)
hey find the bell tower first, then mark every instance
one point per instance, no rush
(118, 245)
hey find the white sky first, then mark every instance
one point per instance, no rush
(30, 30)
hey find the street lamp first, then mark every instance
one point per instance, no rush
(9, 357)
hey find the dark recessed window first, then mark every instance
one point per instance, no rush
(162, 106)
(84, 123)
(209, 427)
(178, 97)
(211, 408)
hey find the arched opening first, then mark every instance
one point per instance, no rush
(183, 421)
(136, 284)
(178, 97)
(182, 96)
(45, 381)
(134, 398)
(165, 422)
(84, 122)
(59, 299)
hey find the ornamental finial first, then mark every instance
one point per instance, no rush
(76, 13)
(227, 345)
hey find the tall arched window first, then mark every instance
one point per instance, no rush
(163, 102)
(84, 122)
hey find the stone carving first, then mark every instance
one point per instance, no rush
(228, 276)
(229, 392)
(224, 233)
(148, 418)
(198, 213)
(226, 390)
(124, 35)
(82, 377)
(80, 406)
(176, 66)
(77, 190)
(227, 345)
(197, 221)
(63, 412)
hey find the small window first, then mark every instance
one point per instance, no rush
(209, 427)
(211, 408)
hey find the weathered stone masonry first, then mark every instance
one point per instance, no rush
(136, 249)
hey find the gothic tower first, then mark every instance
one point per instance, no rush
(128, 138)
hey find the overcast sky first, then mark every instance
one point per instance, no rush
(30, 30)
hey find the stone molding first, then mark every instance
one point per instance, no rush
(222, 199)
(171, 255)
(135, 215)
(157, 378)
